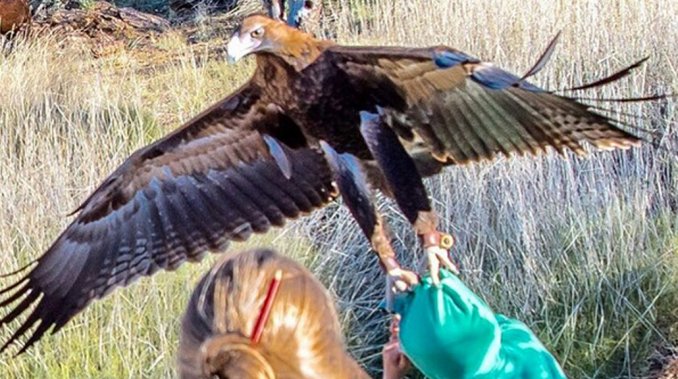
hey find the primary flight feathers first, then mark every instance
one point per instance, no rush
(253, 160)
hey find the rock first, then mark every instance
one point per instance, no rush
(13, 14)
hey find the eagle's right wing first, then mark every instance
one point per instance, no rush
(220, 177)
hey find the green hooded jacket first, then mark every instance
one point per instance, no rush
(448, 332)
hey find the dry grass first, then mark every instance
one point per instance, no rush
(583, 250)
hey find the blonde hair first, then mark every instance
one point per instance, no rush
(301, 338)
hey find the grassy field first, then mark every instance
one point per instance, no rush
(585, 251)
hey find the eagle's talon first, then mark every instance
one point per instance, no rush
(438, 257)
(402, 280)
(437, 246)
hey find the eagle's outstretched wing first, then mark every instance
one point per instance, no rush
(455, 109)
(220, 177)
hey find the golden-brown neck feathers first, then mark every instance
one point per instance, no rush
(295, 47)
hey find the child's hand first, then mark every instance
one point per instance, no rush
(396, 363)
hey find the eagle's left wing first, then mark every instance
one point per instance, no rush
(447, 105)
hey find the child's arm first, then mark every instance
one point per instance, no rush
(396, 363)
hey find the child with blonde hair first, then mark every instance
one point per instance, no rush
(258, 314)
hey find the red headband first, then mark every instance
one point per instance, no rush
(266, 308)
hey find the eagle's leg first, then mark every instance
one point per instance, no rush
(397, 277)
(353, 189)
(407, 187)
(436, 244)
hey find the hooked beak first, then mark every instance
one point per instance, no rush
(239, 47)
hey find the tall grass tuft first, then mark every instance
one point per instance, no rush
(584, 250)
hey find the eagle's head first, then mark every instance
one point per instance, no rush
(258, 34)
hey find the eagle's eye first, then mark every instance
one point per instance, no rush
(257, 33)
